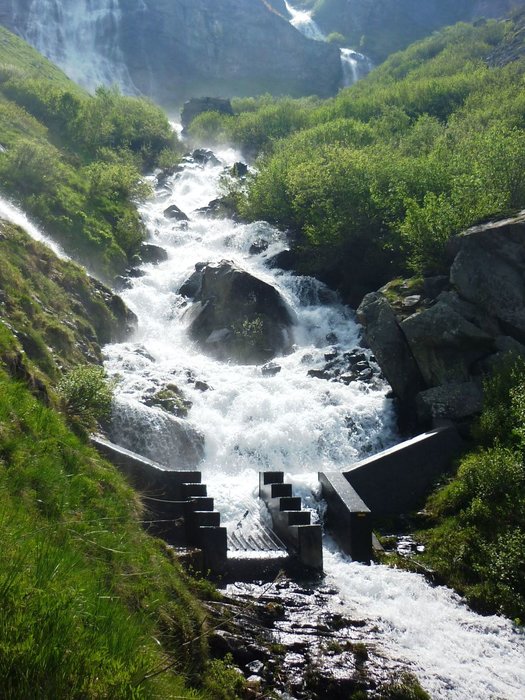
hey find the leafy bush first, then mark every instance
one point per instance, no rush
(86, 395)
(478, 541)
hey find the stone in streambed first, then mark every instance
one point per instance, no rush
(173, 212)
(237, 316)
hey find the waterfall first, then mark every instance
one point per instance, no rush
(10, 212)
(304, 23)
(82, 37)
(355, 65)
(295, 422)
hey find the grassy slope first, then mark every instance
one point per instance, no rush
(60, 315)
(90, 606)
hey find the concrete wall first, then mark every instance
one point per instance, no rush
(399, 480)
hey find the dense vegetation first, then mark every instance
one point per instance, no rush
(75, 161)
(90, 605)
(377, 179)
(478, 541)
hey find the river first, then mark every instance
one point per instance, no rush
(292, 422)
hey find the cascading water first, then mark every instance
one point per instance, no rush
(294, 422)
(354, 64)
(303, 22)
(10, 212)
(82, 37)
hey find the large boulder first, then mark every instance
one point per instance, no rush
(489, 270)
(464, 326)
(444, 344)
(237, 316)
(390, 347)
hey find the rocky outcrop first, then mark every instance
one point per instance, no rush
(236, 315)
(434, 348)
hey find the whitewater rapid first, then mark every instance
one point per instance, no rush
(299, 424)
(12, 213)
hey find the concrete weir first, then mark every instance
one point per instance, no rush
(179, 510)
(390, 483)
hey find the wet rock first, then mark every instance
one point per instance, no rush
(220, 208)
(202, 386)
(270, 369)
(121, 283)
(259, 246)
(150, 253)
(204, 156)
(173, 212)
(319, 374)
(158, 436)
(237, 316)
(170, 399)
(390, 346)
(453, 401)
(135, 272)
(239, 170)
(285, 260)
(328, 356)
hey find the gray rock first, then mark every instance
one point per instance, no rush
(390, 346)
(150, 253)
(236, 315)
(455, 401)
(489, 270)
(173, 212)
(444, 344)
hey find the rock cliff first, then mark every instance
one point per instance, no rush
(435, 339)
(173, 49)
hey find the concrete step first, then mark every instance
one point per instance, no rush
(192, 489)
(206, 518)
(200, 503)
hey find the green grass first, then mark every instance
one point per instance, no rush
(59, 314)
(90, 606)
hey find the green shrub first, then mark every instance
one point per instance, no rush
(86, 395)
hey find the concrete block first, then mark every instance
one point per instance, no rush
(214, 544)
(348, 518)
(399, 480)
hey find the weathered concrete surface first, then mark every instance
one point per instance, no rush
(348, 518)
(291, 523)
(398, 480)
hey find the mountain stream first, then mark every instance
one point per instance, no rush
(250, 421)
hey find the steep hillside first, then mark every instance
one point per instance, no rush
(380, 27)
(75, 161)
